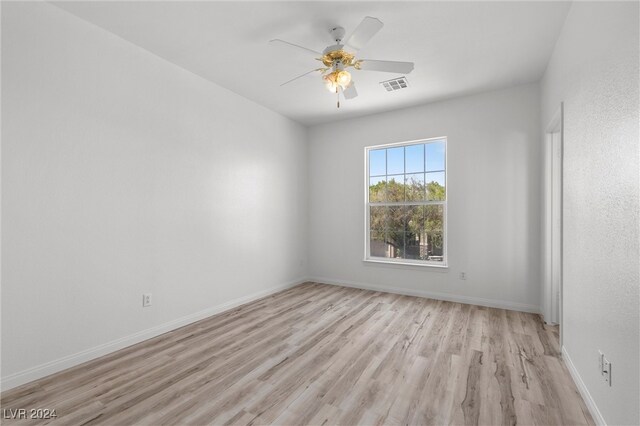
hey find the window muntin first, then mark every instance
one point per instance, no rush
(406, 202)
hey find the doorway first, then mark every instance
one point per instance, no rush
(552, 241)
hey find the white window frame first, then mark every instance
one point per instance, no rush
(367, 205)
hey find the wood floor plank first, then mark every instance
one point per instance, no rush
(324, 355)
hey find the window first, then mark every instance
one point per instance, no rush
(406, 203)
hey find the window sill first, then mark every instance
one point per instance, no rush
(406, 263)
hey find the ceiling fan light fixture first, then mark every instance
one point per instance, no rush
(330, 82)
(337, 78)
(331, 86)
(343, 78)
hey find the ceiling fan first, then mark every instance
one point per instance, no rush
(339, 57)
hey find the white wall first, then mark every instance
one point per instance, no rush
(594, 71)
(124, 174)
(494, 152)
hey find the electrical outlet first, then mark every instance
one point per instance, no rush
(463, 275)
(146, 300)
(606, 370)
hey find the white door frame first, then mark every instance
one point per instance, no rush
(552, 238)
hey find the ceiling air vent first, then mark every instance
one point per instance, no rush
(395, 84)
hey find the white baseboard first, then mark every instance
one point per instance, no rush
(582, 388)
(55, 366)
(491, 303)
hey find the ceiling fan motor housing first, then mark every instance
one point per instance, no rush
(332, 48)
(335, 54)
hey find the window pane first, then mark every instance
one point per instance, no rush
(414, 219)
(435, 186)
(377, 162)
(377, 189)
(378, 218)
(377, 245)
(433, 219)
(414, 158)
(396, 218)
(414, 187)
(413, 246)
(395, 243)
(395, 161)
(434, 230)
(395, 188)
(435, 156)
(435, 250)
(395, 230)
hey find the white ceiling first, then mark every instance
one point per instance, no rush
(458, 47)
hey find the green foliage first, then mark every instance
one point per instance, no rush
(393, 191)
(408, 228)
(435, 192)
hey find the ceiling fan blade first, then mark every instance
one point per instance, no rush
(277, 41)
(385, 66)
(364, 32)
(302, 75)
(350, 92)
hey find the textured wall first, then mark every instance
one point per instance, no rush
(594, 71)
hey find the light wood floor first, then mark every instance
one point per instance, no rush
(319, 354)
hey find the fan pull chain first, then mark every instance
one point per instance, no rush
(338, 95)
